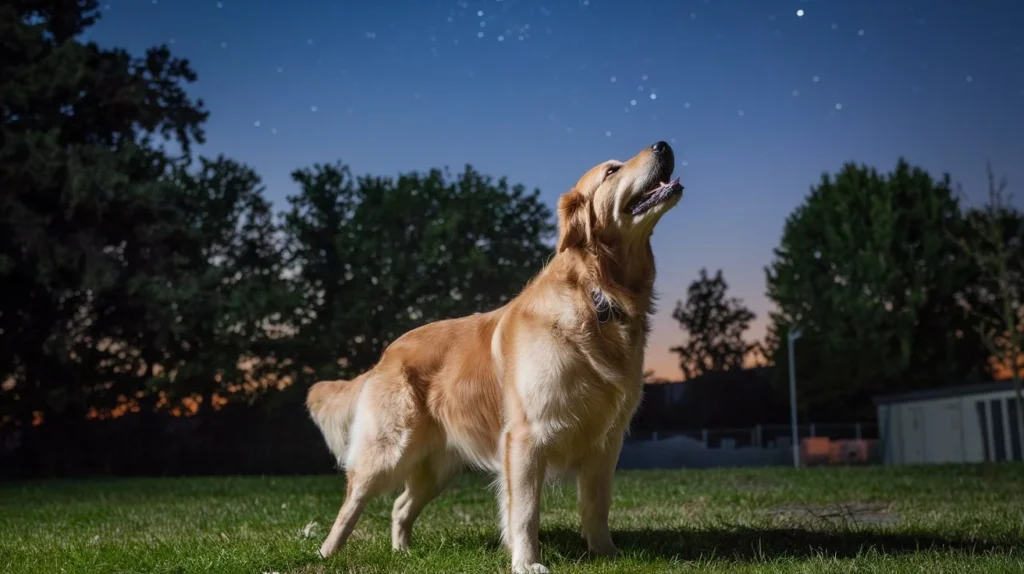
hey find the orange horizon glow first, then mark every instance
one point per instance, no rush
(659, 361)
(665, 334)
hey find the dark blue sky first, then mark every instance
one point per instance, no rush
(758, 97)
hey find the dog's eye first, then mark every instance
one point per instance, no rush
(611, 169)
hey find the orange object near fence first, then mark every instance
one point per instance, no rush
(822, 450)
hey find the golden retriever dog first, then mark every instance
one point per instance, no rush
(542, 387)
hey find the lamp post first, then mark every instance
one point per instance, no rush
(791, 337)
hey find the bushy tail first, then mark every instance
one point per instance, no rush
(332, 406)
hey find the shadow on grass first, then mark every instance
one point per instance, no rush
(745, 544)
(739, 544)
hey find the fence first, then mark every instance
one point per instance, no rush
(247, 441)
(764, 436)
(239, 441)
(762, 445)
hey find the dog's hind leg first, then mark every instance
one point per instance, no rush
(358, 492)
(384, 448)
(362, 485)
(426, 481)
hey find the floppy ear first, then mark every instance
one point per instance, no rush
(573, 223)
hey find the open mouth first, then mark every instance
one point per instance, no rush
(656, 196)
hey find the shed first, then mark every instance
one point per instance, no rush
(961, 424)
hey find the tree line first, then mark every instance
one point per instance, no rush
(138, 276)
(895, 283)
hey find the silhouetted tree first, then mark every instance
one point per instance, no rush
(714, 326)
(867, 269)
(994, 242)
(759, 354)
(374, 257)
(231, 300)
(86, 237)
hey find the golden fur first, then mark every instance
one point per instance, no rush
(538, 387)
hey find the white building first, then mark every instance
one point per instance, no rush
(971, 423)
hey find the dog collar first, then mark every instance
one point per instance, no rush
(606, 310)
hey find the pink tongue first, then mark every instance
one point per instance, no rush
(664, 185)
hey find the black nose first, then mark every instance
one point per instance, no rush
(660, 148)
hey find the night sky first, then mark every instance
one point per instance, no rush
(758, 98)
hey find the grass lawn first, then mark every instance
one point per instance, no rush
(934, 519)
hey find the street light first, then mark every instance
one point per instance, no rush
(791, 337)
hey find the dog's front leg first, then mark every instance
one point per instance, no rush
(594, 487)
(522, 482)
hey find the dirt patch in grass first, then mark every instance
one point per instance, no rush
(848, 514)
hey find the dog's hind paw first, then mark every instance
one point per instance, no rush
(531, 569)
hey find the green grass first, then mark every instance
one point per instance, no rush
(928, 519)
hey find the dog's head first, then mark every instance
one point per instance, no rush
(619, 202)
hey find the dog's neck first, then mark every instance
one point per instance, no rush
(607, 310)
(619, 279)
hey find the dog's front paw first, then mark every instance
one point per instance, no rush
(600, 544)
(400, 545)
(530, 569)
(604, 549)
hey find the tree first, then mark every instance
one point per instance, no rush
(84, 241)
(867, 268)
(374, 257)
(714, 326)
(231, 298)
(994, 242)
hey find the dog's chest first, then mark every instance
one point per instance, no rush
(574, 393)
